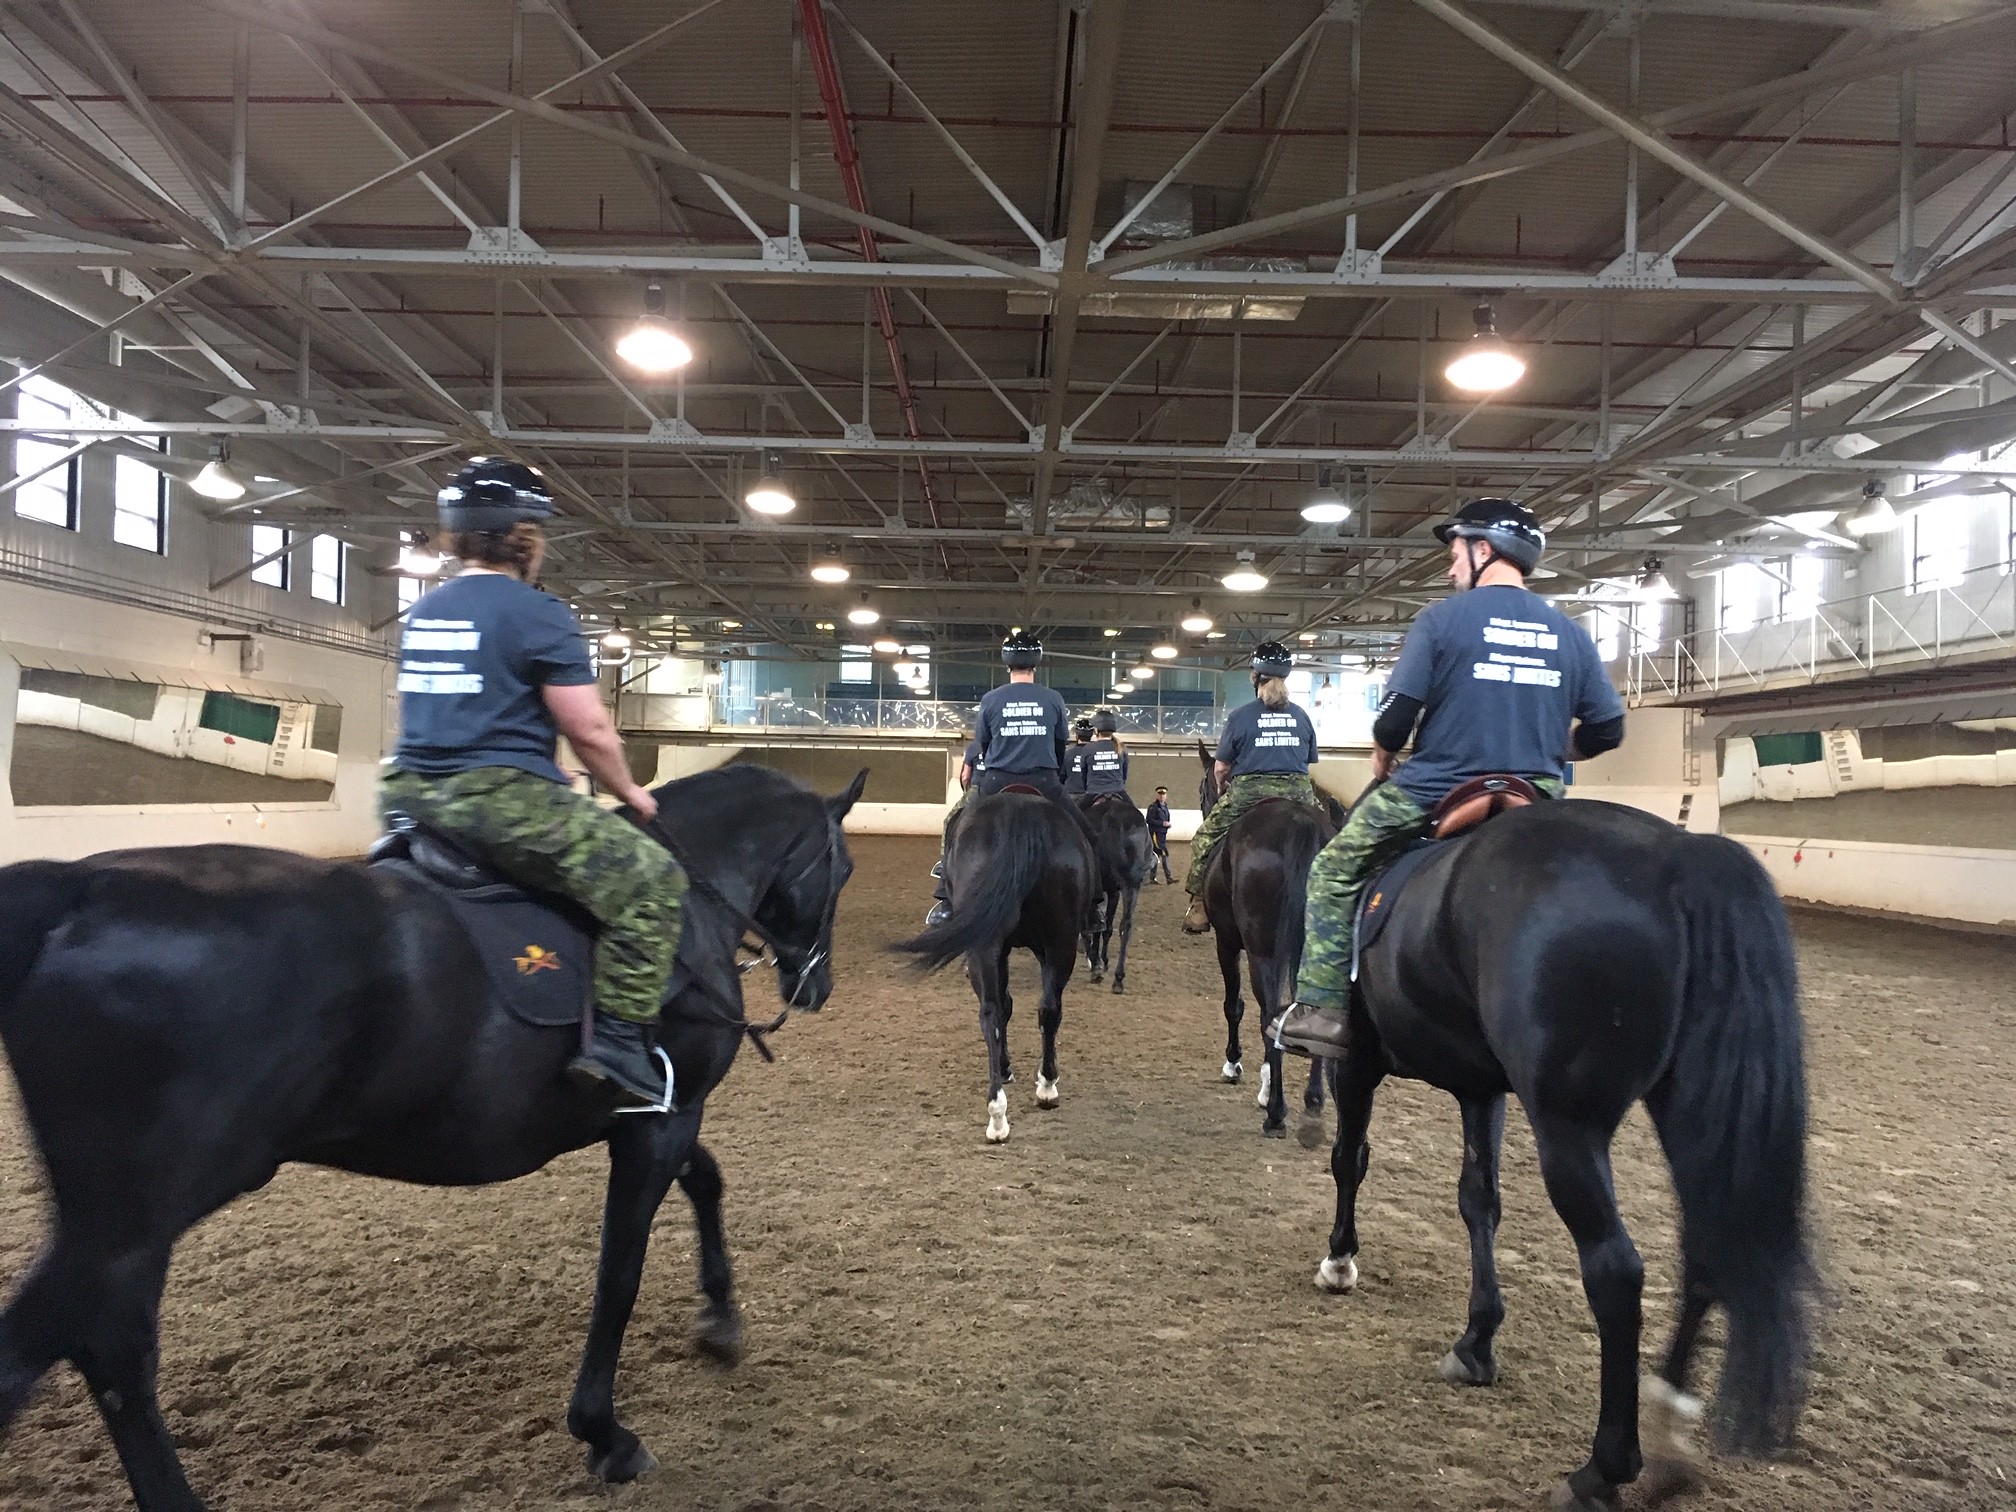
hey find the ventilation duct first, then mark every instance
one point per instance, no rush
(1172, 216)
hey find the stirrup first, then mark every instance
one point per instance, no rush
(664, 1104)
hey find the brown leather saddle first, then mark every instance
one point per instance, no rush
(1469, 804)
(1021, 787)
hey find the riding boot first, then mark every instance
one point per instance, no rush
(622, 1054)
(1308, 1030)
(1196, 921)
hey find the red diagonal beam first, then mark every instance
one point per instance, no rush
(826, 68)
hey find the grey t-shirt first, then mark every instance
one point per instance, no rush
(475, 653)
(1502, 676)
(1023, 728)
(1074, 766)
(1260, 739)
(1105, 767)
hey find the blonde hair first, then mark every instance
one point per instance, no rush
(1273, 691)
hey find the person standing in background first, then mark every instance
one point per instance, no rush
(1158, 836)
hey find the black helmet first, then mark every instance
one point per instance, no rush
(1082, 729)
(1105, 721)
(493, 493)
(1272, 659)
(1509, 528)
(1021, 650)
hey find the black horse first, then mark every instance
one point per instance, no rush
(1123, 854)
(1021, 874)
(1586, 956)
(1254, 889)
(182, 1022)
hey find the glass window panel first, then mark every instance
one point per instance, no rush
(325, 569)
(267, 539)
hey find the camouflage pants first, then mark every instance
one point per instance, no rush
(1240, 794)
(1382, 824)
(543, 835)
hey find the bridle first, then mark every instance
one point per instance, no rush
(768, 949)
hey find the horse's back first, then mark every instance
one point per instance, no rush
(1542, 954)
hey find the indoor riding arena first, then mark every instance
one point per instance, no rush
(836, 352)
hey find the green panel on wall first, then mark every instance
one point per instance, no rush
(1790, 750)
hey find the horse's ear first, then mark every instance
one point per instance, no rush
(840, 803)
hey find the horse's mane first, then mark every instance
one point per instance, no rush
(735, 782)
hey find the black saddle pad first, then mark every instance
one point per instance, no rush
(539, 960)
(1375, 903)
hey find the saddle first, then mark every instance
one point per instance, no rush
(1461, 810)
(1020, 787)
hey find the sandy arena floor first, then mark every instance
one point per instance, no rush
(1115, 1309)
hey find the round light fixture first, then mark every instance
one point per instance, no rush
(824, 625)
(1245, 578)
(651, 345)
(770, 494)
(217, 481)
(887, 646)
(1123, 687)
(1196, 622)
(1877, 516)
(1653, 586)
(1307, 637)
(830, 568)
(1141, 674)
(617, 640)
(417, 558)
(1214, 635)
(864, 613)
(731, 624)
(1486, 364)
(1326, 506)
(1109, 634)
(1163, 651)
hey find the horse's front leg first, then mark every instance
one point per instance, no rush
(645, 1154)
(1471, 1362)
(1272, 1098)
(989, 972)
(717, 1331)
(1057, 963)
(1358, 1076)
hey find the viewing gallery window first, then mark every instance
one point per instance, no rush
(50, 494)
(1939, 544)
(270, 541)
(326, 557)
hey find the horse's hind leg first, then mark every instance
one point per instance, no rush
(34, 1331)
(1272, 1098)
(1358, 1076)
(1471, 1362)
(1057, 962)
(1669, 1413)
(1127, 900)
(644, 1156)
(990, 984)
(717, 1331)
(1235, 1008)
(1575, 1163)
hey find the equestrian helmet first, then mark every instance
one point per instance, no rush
(1509, 529)
(493, 493)
(1106, 722)
(1272, 659)
(1082, 729)
(1021, 650)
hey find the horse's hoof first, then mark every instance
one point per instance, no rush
(1047, 1095)
(1231, 1071)
(1310, 1132)
(623, 1461)
(1339, 1275)
(997, 1119)
(1273, 1131)
(717, 1334)
(1460, 1372)
(1098, 977)
(1119, 984)
(1567, 1499)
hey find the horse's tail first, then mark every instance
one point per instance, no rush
(34, 898)
(1731, 1114)
(989, 898)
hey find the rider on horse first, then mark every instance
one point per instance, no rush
(1075, 757)
(492, 671)
(1105, 761)
(1021, 740)
(1500, 681)
(1266, 752)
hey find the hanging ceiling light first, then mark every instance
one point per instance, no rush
(1163, 651)
(217, 481)
(886, 645)
(1486, 364)
(1245, 578)
(829, 568)
(1326, 505)
(1877, 514)
(417, 558)
(770, 494)
(1653, 586)
(652, 345)
(1109, 634)
(864, 613)
(617, 640)
(1214, 635)
(1196, 622)
(1123, 687)
(1142, 673)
